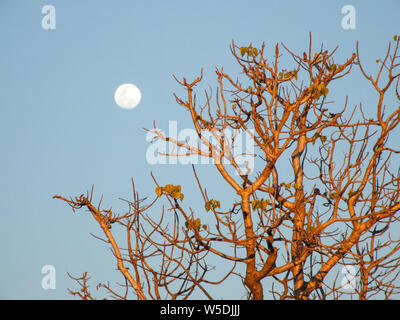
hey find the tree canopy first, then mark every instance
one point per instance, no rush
(340, 208)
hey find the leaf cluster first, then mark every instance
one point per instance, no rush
(260, 204)
(195, 224)
(319, 90)
(250, 51)
(212, 204)
(318, 136)
(170, 190)
(287, 75)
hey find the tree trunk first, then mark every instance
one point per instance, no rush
(252, 280)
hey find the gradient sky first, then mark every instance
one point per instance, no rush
(61, 131)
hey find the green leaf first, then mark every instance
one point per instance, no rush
(193, 224)
(260, 204)
(263, 205)
(317, 58)
(171, 190)
(175, 195)
(197, 223)
(212, 204)
(216, 204)
(324, 91)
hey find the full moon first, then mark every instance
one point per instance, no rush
(127, 96)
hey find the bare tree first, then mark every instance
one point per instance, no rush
(338, 208)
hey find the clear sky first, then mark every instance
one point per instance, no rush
(61, 131)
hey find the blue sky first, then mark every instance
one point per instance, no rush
(61, 131)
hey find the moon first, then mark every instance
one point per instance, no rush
(127, 96)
